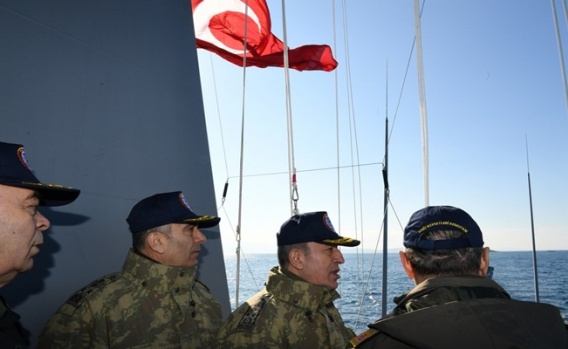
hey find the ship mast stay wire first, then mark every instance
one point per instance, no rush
(559, 45)
(241, 166)
(418, 15)
(240, 251)
(291, 163)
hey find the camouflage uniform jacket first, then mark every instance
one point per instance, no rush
(147, 305)
(288, 313)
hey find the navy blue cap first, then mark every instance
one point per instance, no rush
(166, 208)
(311, 227)
(434, 218)
(15, 171)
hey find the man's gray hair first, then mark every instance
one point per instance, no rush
(455, 262)
(284, 251)
(138, 239)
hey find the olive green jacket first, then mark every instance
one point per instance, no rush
(468, 312)
(288, 313)
(147, 305)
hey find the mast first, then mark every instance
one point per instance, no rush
(537, 297)
(560, 49)
(385, 212)
(422, 92)
(386, 201)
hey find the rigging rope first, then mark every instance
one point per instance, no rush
(242, 251)
(352, 125)
(336, 79)
(292, 172)
(291, 157)
(238, 236)
(385, 179)
(225, 189)
(220, 123)
(357, 187)
(310, 170)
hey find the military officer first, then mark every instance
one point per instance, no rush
(295, 309)
(21, 227)
(155, 301)
(454, 304)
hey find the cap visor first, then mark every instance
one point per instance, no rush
(204, 221)
(342, 242)
(51, 194)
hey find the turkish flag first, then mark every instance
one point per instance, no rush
(220, 28)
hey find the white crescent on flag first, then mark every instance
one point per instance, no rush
(220, 28)
(208, 9)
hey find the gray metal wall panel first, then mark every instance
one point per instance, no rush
(105, 96)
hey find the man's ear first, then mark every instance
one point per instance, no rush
(484, 265)
(156, 242)
(296, 258)
(407, 266)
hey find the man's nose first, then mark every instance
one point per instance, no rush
(42, 223)
(339, 256)
(200, 237)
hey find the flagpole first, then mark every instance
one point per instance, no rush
(422, 94)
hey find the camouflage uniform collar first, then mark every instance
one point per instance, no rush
(159, 277)
(298, 292)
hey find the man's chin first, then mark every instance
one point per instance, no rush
(29, 266)
(193, 263)
(333, 285)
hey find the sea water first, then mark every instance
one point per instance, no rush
(361, 281)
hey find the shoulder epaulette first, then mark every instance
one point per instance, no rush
(248, 321)
(79, 297)
(356, 341)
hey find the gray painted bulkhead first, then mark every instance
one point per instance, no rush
(105, 95)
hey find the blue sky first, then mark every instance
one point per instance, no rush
(493, 80)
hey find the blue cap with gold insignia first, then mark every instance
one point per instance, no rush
(166, 208)
(15, 171)
(433, 218)
(311, 227)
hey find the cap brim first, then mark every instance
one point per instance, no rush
(342, 242)
(203, 221)
(51, 194)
